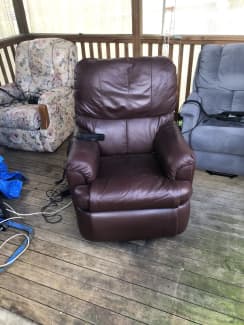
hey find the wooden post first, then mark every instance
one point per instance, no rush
(20, 16)
(137, 26)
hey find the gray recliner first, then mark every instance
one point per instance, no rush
(218, 87)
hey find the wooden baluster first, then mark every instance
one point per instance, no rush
(189, 71)
(108, 50)
(91, 50)
(150, 49)
(9, 63)
(5, 77)
(83, 50)
(179, 70)
(126, 49)
(13, 50)
(171, 51)
(99, 49)
(117, 50)
(160, 48)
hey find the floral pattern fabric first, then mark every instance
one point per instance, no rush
(43, 64)
(25, 117)
(6, 99)
(44, 67)
(60, 105)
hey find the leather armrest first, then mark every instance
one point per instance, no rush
(175, 156)
(83, 162)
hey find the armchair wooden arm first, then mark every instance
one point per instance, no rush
(43, 111)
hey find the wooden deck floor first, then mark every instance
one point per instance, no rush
(196, 277)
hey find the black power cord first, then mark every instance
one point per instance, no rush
(30, 99)
(55, 196)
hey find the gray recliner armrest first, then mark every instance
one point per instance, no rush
(191, 114)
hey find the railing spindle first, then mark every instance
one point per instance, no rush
(117, 50)
(179, 70)
(5, 77)
(160, 48)
(99, 49)
(150, 49)
(108, 53)
(189, 71)
(83, 50)
(91, 50)
(13, 50)
(9, 63)
(171, 51)
(126, 50)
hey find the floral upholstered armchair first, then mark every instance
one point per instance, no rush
(37, 111)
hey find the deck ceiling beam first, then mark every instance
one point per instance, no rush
(20, 16)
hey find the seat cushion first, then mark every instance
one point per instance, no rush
(130, 182)
(218, 136)
(19, 116)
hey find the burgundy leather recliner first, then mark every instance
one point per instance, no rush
(137, 183)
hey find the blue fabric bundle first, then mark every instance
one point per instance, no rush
(10, 182)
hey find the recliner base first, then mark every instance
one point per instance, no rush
(134, 224)
(220, 162)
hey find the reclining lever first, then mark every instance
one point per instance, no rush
(90, 136)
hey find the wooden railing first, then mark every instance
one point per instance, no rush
(183, 50)
(7, 58)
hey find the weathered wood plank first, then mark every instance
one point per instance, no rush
(34, 311)
(197, 266)
(64, 281)
(61, 302)
(77, 286)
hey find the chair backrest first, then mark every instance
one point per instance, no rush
(126, 99)
(219, 78)
(45, 63)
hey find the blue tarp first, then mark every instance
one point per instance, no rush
(10, 182)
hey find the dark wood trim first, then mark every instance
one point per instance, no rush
(20, 16)
(9, 41)
(195, 39)
(136, 6)
(85, 37)
(43, 111)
